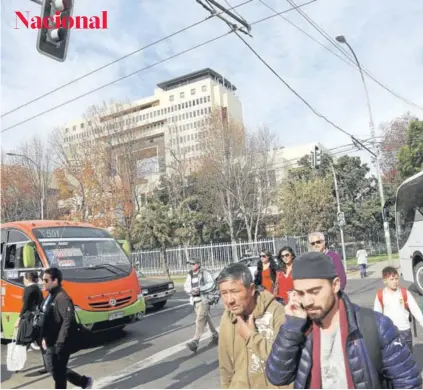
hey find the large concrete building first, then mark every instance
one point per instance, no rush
(160, 126)
(285, 158)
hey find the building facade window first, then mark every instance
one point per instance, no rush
(193, 91)
(171, 98)
(182, 95)
(204, 88)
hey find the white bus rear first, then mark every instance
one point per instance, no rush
(409, 226)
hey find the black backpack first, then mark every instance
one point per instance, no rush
(369, 330)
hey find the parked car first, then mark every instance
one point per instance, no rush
(250, 262)
(156, 291)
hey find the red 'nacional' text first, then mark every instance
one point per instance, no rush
(53, 22)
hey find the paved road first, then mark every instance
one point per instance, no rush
(152, 353)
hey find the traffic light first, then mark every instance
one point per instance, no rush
(317, 157)
(341, 219)
(54, 34)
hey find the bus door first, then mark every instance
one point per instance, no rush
(18, 256)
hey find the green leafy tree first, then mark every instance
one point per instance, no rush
(306, 205)
(411, 155)
(394, 136)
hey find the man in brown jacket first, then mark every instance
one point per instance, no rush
(247, 329)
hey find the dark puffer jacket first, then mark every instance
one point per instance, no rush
(290, 359)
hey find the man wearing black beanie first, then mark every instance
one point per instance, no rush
(327, 342)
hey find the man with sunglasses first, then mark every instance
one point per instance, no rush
(58, 333)
(318, 244)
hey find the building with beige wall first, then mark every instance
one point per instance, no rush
(167, 124)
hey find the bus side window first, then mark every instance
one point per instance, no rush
(14, 251)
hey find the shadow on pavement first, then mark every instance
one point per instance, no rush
(104, 347)
(418, 354)
(5, 375)
(189, 376)
(154, 372)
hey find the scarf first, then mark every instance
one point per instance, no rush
(316, 375)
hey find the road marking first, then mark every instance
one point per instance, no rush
(179, 300)
(165, 310)
(145, 363)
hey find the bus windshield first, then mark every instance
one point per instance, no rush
(409, 208)
(81, 247)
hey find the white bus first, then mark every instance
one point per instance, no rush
(409, 226)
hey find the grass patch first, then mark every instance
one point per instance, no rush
(352, 261)
(179, 279)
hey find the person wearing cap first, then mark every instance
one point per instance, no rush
(248, 326)
(324, 343)
(198, 284)
(318, 244)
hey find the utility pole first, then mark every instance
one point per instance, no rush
(316, 159)
(342, 39)
(340, 217)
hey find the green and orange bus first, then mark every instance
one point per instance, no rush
(97, 273)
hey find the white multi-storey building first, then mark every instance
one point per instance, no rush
(286, 158)
(167, 123)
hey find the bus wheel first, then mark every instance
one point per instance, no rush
(418, 276)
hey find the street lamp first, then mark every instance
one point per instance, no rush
(342, 39)
(41, 179)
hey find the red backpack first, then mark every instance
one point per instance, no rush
(404, 298)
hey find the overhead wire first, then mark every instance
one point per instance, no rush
(300, 97)
(145, 68)
(294, 161)
(345, 53)
(120, 59)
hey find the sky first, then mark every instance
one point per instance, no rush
(385, 34)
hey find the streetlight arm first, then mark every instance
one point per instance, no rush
(25, 157)
(365, 87)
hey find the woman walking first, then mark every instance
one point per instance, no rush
(284, 282)
(265, 276)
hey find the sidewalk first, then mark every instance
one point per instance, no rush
(374, 270)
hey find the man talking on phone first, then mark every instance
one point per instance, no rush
(327, 342)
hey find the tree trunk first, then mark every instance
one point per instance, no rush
(163, 260)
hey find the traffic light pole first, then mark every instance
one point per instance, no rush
(341, 230)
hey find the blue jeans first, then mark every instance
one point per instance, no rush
(363, 270)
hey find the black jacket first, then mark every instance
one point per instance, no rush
(32, 298)
(273, 268)
(59, 319)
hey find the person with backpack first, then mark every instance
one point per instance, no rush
(327, 342)
(31, 300)
(59, 333)
(201, 287)
(398, 304)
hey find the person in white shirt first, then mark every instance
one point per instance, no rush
(398, 304)
(198, 284)
(362, 261)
